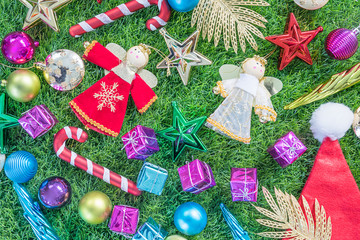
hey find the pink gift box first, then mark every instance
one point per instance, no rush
(196, 177)
(140, 143)
(287, 149)
(244, 184)
(38, 121)
(124, 220)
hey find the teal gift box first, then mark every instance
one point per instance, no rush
(150, 231)
(152, 178)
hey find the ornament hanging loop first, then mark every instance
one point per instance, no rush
(167, 59)
(270, 53)
(34, 64)
(356, 30)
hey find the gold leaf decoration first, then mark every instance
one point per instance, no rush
(288, 215)
(214, 17)
(336, 83)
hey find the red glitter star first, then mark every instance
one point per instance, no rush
(294, 42)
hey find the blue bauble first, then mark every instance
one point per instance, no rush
(183, 5)
(190, 218)
(20, 166)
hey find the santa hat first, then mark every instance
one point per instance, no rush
(330, 180)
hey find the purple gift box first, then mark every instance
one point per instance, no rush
(124, 220)
(287, 149)
(38, 121)
(140, 143)
(244, 184)
(196, 177)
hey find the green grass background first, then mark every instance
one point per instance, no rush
(195, 99)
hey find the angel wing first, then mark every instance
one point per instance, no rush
(148, 77)
(120, 52)
(117, 50)
(229, 71)
(273, 85)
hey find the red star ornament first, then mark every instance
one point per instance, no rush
(294, 42)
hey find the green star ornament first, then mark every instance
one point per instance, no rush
(183, 133)
(6, 121)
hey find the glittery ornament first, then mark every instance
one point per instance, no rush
(6, 121)
(183, 133)
(342, 43)
(18, 47)
(95, 207)
(44, 10)
(294, 42)
(20, 166)
(54, 192)
(183, 55)
(236, 230)
(355, 125)
(63, 69)
(183, 5)
(311, 4)
(32, 213)
(190, 218)
(22, 85)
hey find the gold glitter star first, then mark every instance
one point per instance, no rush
(183, 55)
(42, 10)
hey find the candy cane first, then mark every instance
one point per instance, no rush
(124, 10)
(85, 164)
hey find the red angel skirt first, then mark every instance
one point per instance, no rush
(102, 107)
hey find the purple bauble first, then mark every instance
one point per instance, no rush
(341, 43)
(54, 192)
(18, 47)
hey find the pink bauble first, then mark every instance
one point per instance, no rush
(341, 43)
(18, 47)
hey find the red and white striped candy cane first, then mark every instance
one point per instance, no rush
(85, 164)
(124, 10)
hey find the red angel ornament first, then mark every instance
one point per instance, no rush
(102, 107)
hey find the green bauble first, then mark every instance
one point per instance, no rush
(22, 85)
(95, 207)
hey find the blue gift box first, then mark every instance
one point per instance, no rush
(150, 231)
(152, 178)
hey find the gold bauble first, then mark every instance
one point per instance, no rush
(95, 207)
(22, 85)
(175, 237)
(311, 4)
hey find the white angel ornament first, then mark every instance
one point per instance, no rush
(243, 88)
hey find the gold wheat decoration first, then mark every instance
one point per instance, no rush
(214, 17)
(296, 223)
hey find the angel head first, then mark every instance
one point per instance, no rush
(138, 56)
(254, 66)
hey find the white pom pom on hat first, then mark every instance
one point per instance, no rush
(331, 120)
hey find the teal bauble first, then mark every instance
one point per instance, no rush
(20, 166)
(190, 218)
(183, 5)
